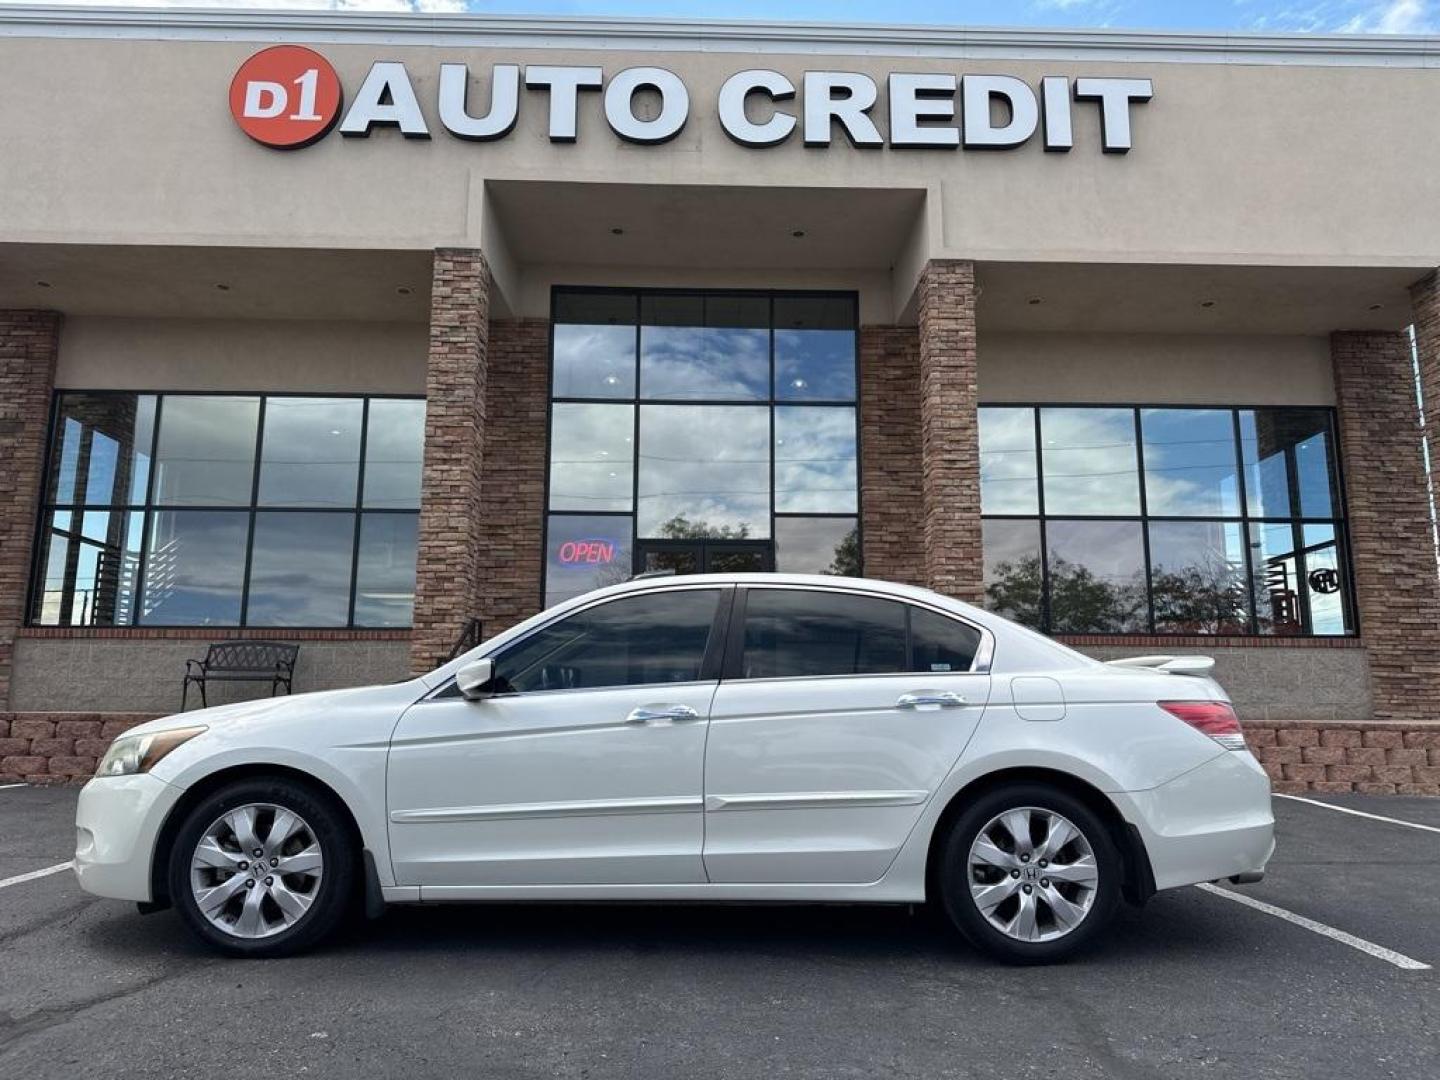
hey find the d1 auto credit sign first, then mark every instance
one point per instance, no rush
(287, 97)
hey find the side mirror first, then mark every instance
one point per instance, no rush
(474, 679)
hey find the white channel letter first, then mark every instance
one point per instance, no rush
(387, 78)
(1115, 96)
(564, 84)
(851, 108)
(980, 131)
(620, 101)
(917, 97)
(736, 121)
(504, 102)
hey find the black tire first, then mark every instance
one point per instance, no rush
(334, 895)
(953, 876)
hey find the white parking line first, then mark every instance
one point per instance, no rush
(1390, 956)
(1359, 813)
(20, 879)
(7, 787)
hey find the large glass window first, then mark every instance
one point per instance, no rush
(700, 417)
(230, 510)
(1110, 520)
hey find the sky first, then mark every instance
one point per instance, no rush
(1308, 16)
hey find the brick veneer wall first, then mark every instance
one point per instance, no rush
(1425, 299)
(1372, 759)
(950, 430)
(28, 342)
(891, 502)
(513, 493)
(1396, 585)
(450, 556)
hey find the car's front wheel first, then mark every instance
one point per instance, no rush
(263, 867)
(1029, 874)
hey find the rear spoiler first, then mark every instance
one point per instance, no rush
(1175, 665)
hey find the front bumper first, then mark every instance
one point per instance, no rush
(117, 822)
(1213, 822)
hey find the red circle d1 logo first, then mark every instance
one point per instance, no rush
(285, 96)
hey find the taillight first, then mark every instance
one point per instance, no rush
(1214, 718)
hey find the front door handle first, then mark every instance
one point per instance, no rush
(645, 714)
(943, 699)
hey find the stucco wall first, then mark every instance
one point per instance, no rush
(119, 675)
(103, 353)
(129, 140)
(1212, 369)
(1278, 683)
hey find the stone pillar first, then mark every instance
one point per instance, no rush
(1425, 298)
(950, 431)
(449, 556)
(514, 488)
(891, 502)
(28, 345)
(1397, 586)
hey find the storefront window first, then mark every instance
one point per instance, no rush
(699, 431)
(1164, 520)
(272, 510)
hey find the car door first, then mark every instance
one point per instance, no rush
(839, 714)
(585, 767)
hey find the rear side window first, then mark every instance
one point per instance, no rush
(789, 632)
(657, 638)
(940, 644)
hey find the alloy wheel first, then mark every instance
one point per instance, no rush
(1032, 874)
(256, 870)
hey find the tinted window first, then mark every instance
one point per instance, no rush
(658, 638)
(940, 644)
(790, 632)
(310, 451)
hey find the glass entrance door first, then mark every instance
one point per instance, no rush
(705, 556)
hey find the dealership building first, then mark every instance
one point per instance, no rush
(359, 332)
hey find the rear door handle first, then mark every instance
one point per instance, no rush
(646, 714)
(942, 699)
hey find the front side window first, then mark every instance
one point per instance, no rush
(696, 430)
(1167, 520)
(230, 510)
(635, 641)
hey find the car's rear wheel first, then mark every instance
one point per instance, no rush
(1029, 874)
(263, 867)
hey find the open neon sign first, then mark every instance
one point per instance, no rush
(601, 552)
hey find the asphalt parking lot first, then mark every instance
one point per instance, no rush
(1194, 985)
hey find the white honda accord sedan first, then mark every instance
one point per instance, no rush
(739, 737)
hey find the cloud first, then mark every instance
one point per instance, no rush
(1391, 17)
(1352, 17)
(422, 6)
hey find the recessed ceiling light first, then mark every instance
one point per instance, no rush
(617, 231)
(612, 380)
(799, 384)
(798, 233)
(43, 284)
(222, 287)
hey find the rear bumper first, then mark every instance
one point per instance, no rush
(116, 824)
(1213, 822)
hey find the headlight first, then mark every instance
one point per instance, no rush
(130, 754)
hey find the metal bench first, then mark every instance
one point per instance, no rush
(242, 661)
